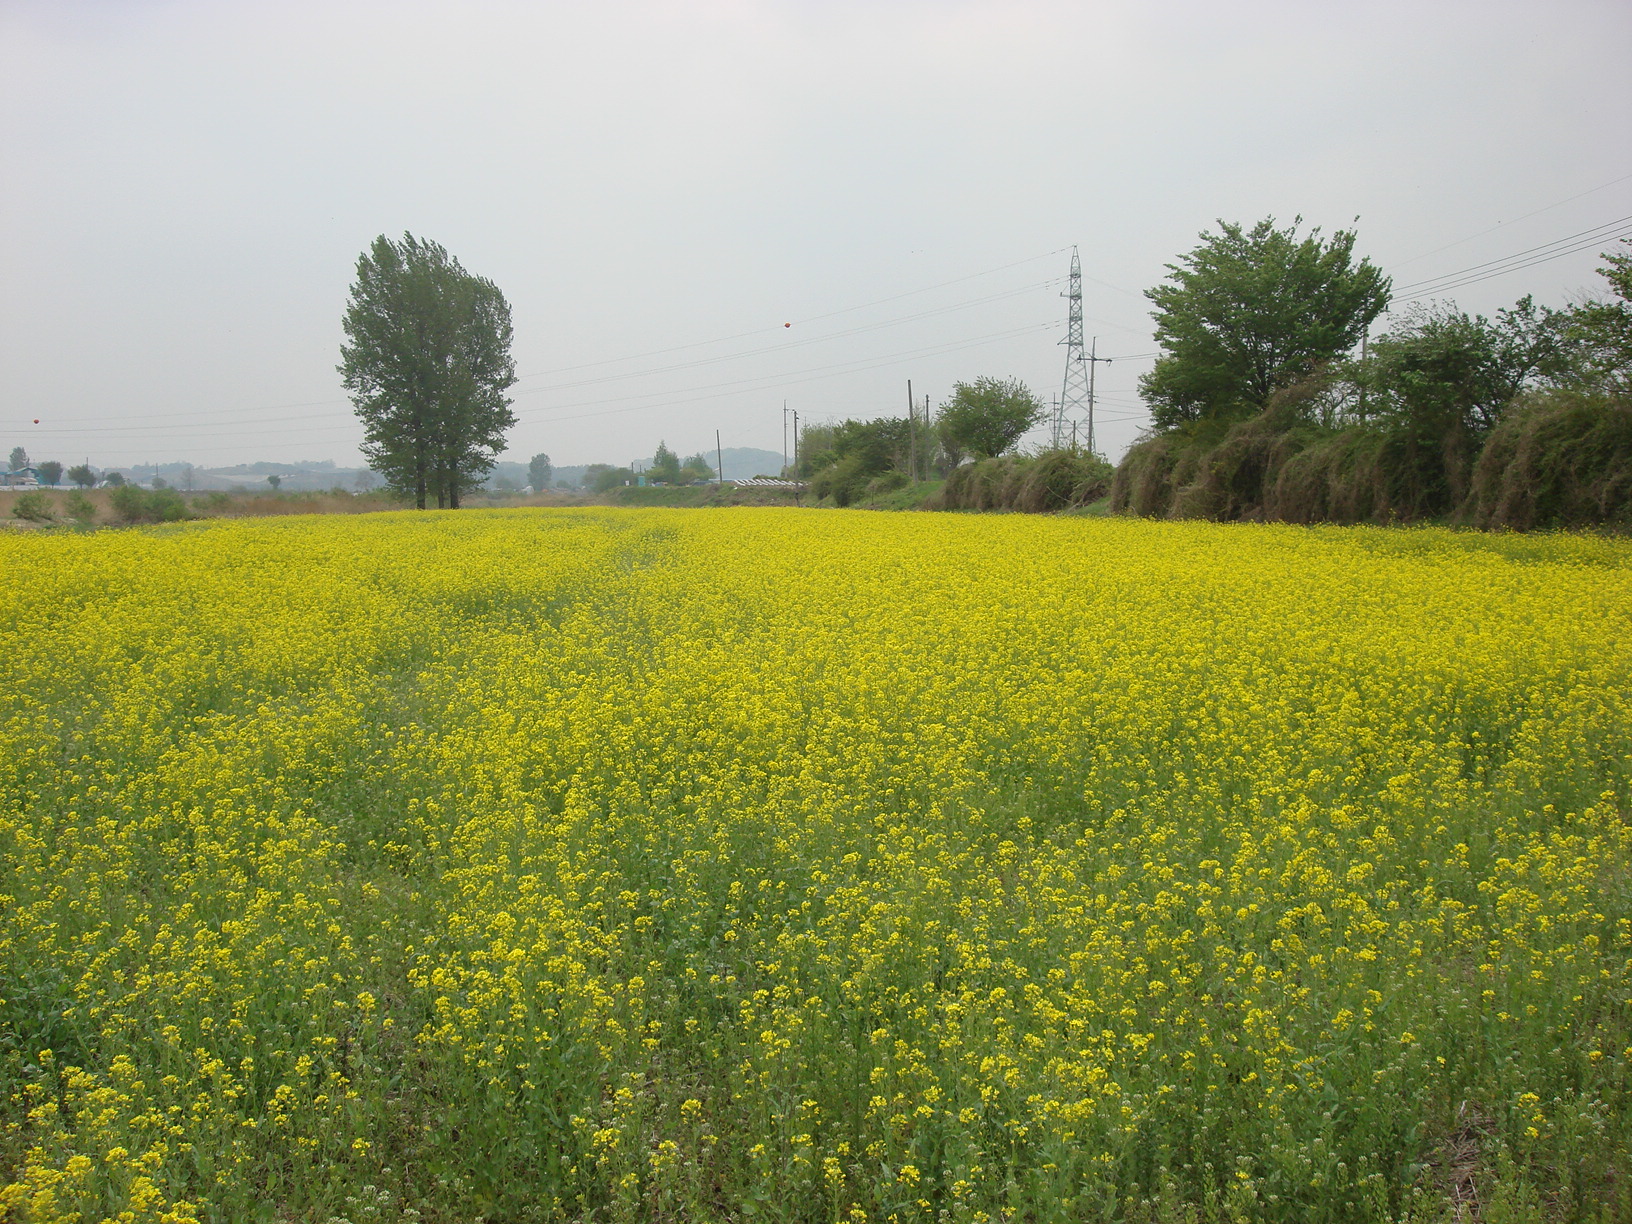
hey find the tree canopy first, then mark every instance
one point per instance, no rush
(427, 362)
(538, 472)
(1441, 371)
(1248, 312)
(665, 465)
(988, 416)
(697, 468)
(1602, 330)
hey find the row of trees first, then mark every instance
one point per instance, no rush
(427, 362)
(666, 467)
(1249, 313)
(1265, 366)
(978, 420)
(51, 472)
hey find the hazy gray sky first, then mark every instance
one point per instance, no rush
(658, 188)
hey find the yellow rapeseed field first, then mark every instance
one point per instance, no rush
(813, 866)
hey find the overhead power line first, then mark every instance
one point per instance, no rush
(220, 418)
(1581, 240)
(758, 331)
(801, 343)
(1580, 195)
(752, 385)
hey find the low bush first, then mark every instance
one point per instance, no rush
(1040, 484)
(133, 504)
(80, 508)
(1561, 460)
(33, 508)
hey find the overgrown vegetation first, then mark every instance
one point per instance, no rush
(1518, 422)
(1037, 484)
(864, 462)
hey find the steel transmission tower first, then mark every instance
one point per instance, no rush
(1076, 397)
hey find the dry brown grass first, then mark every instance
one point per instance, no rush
(250, 505)
(1459, 1163)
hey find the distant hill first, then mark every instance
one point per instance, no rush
(744, 462)
(741, 463)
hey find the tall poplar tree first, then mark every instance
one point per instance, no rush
(427, 361)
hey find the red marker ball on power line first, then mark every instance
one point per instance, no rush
(787, 325)
(36, 420)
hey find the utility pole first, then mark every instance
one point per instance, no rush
(1092, 362)
(784, 437)
(926, 434)
(719, 456)
(912, 432)
(796, 444)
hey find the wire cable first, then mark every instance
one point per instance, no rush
(808, 319)
(1536, 213)
(1598, 234)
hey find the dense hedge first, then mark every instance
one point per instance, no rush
(1562, 459)
(1565, 461)
(1040, 484)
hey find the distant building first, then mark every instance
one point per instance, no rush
(22, 478)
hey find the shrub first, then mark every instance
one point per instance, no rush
(1563, 460)
(133, 504)
(843, 481)
(33, 508)
(1043, 484)
(1148, 474)
(80, 508)
(1058, 480)
(889, 482)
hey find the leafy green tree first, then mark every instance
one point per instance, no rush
(665, 465)
(1439, 381)
(1441, 370)
(81, 476)
(538, 472)
(696, 468)
(987, 417)
(50, 472)
(274, 480)
(113, 480)
(609, 478)
(1248, 312)
(1602, 330)
(19, 458)
(427, 362)
(841, 460)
